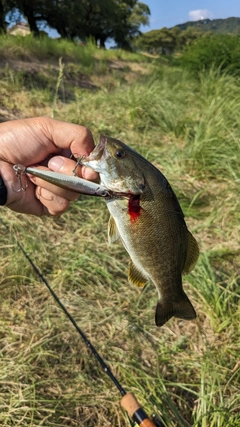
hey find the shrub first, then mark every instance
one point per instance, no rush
(220, 51)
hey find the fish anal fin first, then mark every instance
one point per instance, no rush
(192, 254)
(113, 233)
(135, 276)
(182, 309)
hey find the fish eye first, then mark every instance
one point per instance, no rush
(120, 153)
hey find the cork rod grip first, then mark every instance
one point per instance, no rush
(131, 405)
(147, 423)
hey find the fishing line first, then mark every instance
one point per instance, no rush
(128, 401)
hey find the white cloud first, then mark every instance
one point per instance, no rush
(196, 15)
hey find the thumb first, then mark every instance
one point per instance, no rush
(67, 166)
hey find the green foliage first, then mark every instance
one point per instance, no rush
(119, 20)
(167, 40)
(156, 41)
(221, 26)
(220, 51)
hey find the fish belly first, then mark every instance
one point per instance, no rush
(158, 252)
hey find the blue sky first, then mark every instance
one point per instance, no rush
(167, 13)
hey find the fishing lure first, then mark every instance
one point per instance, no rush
(69, 182)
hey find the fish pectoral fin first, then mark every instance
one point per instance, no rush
(135, 276)
(182, 309)
(113, 233)
(192, 254)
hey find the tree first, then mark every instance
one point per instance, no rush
(159, 41)
(168, 40)
(115, 19)
(139, 16)
(2, 17)
(29, 9)
(187, 37)
(219, 50)
(102, 19)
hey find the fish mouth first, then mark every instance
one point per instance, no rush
(98, 151)
(101, 155)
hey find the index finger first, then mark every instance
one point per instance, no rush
(65, 135)
(31, 141)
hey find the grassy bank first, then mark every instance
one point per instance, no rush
(187, 372)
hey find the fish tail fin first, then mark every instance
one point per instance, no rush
(182, 309)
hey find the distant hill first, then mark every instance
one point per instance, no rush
(222, 26)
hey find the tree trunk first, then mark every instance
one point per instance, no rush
(102, 43)
(29, 13)
(99, 40)
(2, 18)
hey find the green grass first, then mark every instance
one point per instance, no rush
(186, 372)
(46, 48)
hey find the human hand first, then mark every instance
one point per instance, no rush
(35, 141)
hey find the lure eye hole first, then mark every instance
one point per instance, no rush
(120, 153)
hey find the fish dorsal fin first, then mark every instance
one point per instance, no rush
(192, 254)
(113, 233)
(135, 276)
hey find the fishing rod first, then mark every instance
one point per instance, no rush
(128, 401)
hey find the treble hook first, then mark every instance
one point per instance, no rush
(20, 170)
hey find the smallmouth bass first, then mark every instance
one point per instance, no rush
(146, 215)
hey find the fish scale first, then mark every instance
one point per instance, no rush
(150, 223)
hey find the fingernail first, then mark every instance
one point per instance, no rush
(56, 163)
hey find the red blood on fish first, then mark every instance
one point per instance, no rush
(134, 207)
